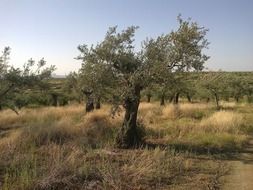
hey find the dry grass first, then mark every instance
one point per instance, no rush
(195, 111)
(228, 105)
(223, 121)
(9, 119)
(60, 166)
(148, 113)
(197, 126)
(54, 148)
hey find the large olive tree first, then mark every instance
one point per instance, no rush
(116, 55)
(132, 71)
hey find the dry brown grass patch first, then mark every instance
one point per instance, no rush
(222, 121)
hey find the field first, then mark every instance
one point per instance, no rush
(96, 97)
(186, 147)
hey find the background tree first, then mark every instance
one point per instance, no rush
(156, 52)
(238, 85)
(185, 85)
(148, 93)
(94, 78)
(217, 85)
(14, 81)
(180, 51)
(72, 87)
(249, 86)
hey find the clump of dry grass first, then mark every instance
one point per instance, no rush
(228, 105)
(198, 126)
(219, 131)
(50, 136)
(143, 169)
(195, 111)
(64, 166)
(170, 112)
(9, 145)
(99, 127)
(149, 113)
(62, 124)
(144, 106)
(49, 167)
(222, 121)
(68, 166)
(9, 119)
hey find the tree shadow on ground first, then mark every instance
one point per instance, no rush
(244, 154)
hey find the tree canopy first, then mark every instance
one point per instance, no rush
(129, 71)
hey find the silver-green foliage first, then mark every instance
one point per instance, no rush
(14, 81)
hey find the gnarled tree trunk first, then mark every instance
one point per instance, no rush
(90, 101)
(217, 101)
(98, 104)
(148, 98)
(55, 100)
(128, 135)
(89, 104)
(176, 99)
(171, 99)
(189, 98)
(162, 101)
(237, 99)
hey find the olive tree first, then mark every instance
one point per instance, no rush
(116, 55)
(216, 83)
(239, 85)
(14, 81)
(71, 86)
(132, 71)
(94, 77)
(156, 52)
(176, 53)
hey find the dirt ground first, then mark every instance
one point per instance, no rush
(241, 175)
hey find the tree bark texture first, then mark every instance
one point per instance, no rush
(128, 135)
(176, 99)
(98, 104)
(162, 101)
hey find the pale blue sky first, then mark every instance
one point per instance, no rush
(54, 28)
